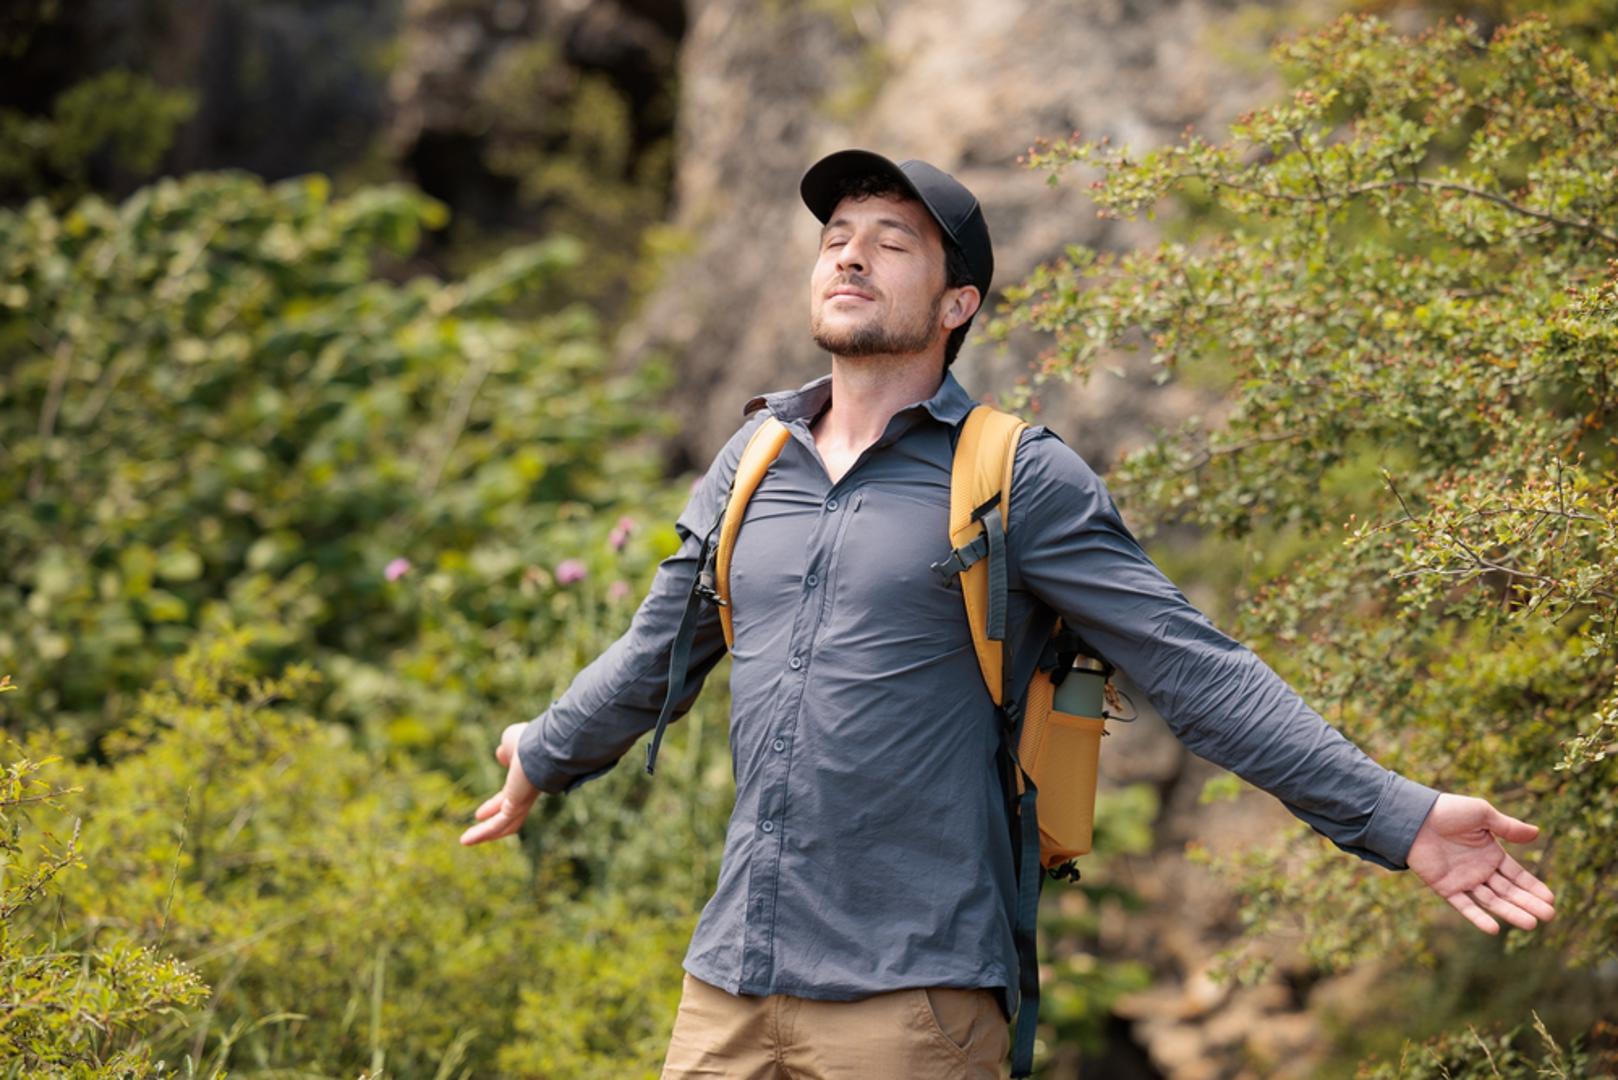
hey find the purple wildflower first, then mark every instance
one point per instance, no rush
(569, 571)
(620, 532)
(396, 569)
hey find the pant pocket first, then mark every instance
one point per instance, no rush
(951, 1015)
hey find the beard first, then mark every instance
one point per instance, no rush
(876, 339)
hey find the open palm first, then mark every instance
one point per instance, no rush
(1457, 853)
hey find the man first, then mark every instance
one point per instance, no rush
(861, 926)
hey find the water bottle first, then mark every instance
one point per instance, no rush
(1081, 691)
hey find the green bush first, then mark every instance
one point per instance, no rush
(216, 400)
(320, 890)
(290, 542)
(1405, 278)
(64, 1011)
(120, 117)
(1485, 1056)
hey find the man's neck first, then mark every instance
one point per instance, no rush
(867, 390)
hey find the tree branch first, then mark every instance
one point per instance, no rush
(1431, 185)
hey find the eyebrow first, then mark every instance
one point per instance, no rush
(892, 223)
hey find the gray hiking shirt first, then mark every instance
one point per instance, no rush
(869, 848)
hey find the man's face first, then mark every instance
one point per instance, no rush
(878, 283)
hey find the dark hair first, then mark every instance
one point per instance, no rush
(956, 272)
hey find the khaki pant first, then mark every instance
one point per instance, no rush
(932, 1033)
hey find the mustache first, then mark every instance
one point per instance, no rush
(854, 282)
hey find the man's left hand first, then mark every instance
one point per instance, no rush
(1457, 853)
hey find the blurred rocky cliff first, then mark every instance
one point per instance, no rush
(766, 88)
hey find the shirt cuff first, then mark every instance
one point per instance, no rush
(1397, 818)
(537, 765)
(540, 765)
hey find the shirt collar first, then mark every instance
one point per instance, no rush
(949, 404)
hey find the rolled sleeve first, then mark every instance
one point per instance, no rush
(1075, 554)
(617, 697)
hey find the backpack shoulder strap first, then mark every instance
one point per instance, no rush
(762, 448)
(979, 506)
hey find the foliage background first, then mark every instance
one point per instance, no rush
(314, 482)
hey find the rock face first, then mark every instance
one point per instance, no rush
(766, 88)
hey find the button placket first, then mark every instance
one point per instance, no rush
(772, 870)
(763, 874)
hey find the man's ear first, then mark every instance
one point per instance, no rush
(962, 306)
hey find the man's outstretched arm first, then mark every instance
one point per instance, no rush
(617, 697)
(1223, 702)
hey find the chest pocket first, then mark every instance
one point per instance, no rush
(883, 584)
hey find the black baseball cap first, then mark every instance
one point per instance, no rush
(954, 208)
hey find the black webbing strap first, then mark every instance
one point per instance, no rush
(1023, 854)
(1025, 822)
(679, 660)
(996, 630)
(680, 652)
(1030, 880)
(962, 557)
(957, 561)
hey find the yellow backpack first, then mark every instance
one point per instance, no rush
(1057, 751)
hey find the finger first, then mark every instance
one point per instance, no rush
(1516, 872)
(1474, 914)
(493, 829)
(502, 753)
(1509, 828)
(1520, 896)
(490, 805)
(1503, 909)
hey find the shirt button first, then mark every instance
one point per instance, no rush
(812, 580)
(796, 662)
(831, 504)
(768, 826)
(778, 745)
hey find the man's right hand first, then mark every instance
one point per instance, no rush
(503, 812)
(1457, 853)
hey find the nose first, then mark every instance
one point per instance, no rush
(851, 256)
